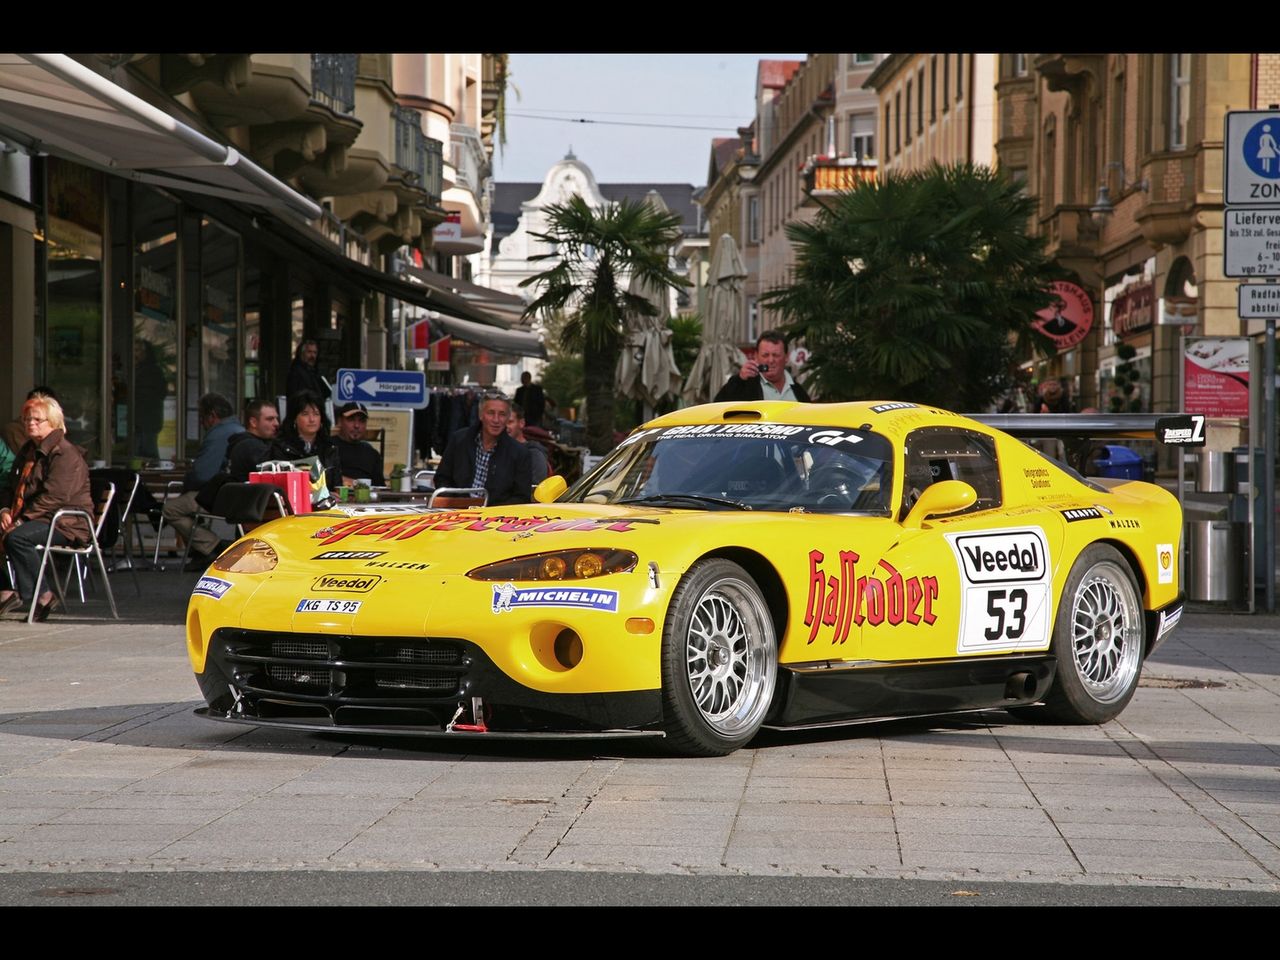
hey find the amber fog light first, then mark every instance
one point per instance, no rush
(588, 565)
(248, 556)
(553, 568)
(568, 649)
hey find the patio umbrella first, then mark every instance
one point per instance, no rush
(647, 368)
(719, 357)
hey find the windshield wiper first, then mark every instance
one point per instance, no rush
(689, 497)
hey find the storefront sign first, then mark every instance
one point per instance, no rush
(1132, 311)
(449, 230)
(1068, 320)
(1217, 376)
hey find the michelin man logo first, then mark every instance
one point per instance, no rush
(502, 597)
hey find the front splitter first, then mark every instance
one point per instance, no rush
(320, 726)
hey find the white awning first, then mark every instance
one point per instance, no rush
(521, 343)
(49, 103)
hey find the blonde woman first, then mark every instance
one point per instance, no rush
(50, 474)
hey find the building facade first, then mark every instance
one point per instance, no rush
(173, 224)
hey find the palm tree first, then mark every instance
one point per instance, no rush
(920, 287)
(597, 253)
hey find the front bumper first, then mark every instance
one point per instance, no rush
(394, 685)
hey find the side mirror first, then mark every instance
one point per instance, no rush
(549, 490)
(939, 499)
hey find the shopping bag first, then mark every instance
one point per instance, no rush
(295, 483)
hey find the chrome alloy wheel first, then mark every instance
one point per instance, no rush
(731, 657)
(1106, 633)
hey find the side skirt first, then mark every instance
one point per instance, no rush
(829, 693)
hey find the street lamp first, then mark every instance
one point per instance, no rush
(1102, 207)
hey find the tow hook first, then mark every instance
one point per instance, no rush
(477, 715)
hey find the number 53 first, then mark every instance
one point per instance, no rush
(1016, 605)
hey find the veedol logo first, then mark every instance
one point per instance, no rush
(354, 583)
(1009, 555)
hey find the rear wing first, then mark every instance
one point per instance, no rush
(1171, 429)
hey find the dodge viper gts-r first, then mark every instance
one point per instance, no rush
(727, 567)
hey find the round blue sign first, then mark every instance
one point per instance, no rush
(1262, 148)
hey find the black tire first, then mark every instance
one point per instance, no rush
(1098, 639)
(719, 660)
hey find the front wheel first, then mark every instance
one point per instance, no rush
(1098, 640)
(719, 660)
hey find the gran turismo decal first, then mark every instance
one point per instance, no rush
(831, 437)
(347, 583)
(348, 555)
(1168, 620)
(886, 407)
(327, 605)
(1164, 562)
(212, 587)
(1005, 589)
(508, 597)
(405, 527)
(1073, 514)
(845, 597)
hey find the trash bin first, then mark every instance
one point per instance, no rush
(1214, 471)
(1214, 564)
(1120, 463)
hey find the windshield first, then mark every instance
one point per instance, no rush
(745, 466)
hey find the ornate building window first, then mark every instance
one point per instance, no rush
(1179, 99)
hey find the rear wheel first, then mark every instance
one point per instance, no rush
(1098, 640)
(719, 660)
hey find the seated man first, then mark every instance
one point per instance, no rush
(245, 450)
(359, 460)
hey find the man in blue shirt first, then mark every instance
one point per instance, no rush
(220, 425)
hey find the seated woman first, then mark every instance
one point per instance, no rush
(305, 433)
(50, 474)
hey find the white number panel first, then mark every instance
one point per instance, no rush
(1005, 589)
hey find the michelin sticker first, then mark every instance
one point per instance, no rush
(1168, 620)
(508, 597)
(1164, 563)
(1005, 589)
(212, 587)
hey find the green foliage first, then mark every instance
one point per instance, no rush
(562, 378)
(596, 252)
(922, 287)
(686, 340)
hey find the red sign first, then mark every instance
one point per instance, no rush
(1217, 376)
(1133, 310)
(1068, 320)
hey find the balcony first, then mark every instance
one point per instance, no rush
(333, 81)
(828, 176)
(469, 158)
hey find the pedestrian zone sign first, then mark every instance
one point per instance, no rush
(1253, 157)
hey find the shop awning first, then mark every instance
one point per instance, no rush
(520, 343)
(49, 103)
(501, 304)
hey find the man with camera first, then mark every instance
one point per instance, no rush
(765, 377)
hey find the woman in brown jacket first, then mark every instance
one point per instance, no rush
(50, 474)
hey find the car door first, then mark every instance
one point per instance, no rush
(986, 570)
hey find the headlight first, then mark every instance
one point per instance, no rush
(248, 556)
(559, 565)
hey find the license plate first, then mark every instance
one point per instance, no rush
(327, 605)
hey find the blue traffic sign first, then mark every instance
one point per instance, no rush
(1261, 148)
(402, 388)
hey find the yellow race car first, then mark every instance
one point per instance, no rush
(727, 567)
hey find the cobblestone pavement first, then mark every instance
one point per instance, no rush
(103, 767)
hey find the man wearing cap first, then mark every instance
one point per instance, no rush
(359, 460)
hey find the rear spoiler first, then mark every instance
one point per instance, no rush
(1172, 429)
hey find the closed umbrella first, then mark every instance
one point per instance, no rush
(647, 368)
(719, 357)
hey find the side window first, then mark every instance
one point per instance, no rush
(946, 453)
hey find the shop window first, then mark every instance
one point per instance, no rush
(219, 308)
(154, 408)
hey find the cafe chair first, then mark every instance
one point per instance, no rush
(103, 493)
(172, 489)
(459, 497)
(238, 504)
(123, 523)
